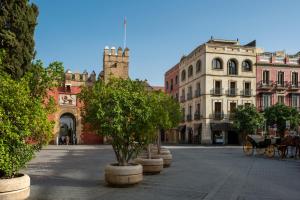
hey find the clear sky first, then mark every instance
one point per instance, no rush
(159, 32)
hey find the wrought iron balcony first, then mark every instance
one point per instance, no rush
(232, 92)
(197, 116)
(217, 91)
(281, 85)
(217, 115)
(293, 85)
(265, 84)
(230, 115)
(182, 99)
(189, 96)
(197, 93)
(246, 92)
(189, 118)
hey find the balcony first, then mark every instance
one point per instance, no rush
(265, 84)
(293, 85)
(217, 92)
(197, 93)
(197, 116)
(246, 93)
(232, 92)
(189, 96)
(230, 115)
(217, 115)
(279, 85)
(189, 118)
(182, 99)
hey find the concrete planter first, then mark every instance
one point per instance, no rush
(162, 151)
(123, 175)
(166, 157)
(15, 188)
(151, 166)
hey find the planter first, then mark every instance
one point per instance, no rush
(123, 175)
(151, 166)
(15, 188)
(166, 157)
(162, 151)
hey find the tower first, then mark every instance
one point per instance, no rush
(115, 64)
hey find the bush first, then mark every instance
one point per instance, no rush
(24, 125)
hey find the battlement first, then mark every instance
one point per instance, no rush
(79, 77)
(110, 54)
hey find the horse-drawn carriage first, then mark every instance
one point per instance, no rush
(268, 145)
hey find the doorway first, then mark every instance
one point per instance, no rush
(67, 131)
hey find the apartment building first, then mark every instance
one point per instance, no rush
(213, 79)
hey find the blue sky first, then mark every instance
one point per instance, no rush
(159, 32)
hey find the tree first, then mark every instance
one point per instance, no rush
(247, 119)
(18, 19)
(121, 110)
(279, 113)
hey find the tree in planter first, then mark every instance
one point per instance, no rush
(120, 110)
(247, 119)
(278, 114)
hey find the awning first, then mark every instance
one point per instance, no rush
(221, 127)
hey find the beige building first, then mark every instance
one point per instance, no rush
(214, 78)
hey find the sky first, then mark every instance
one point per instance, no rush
(159, 32)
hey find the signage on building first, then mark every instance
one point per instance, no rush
(67, 100)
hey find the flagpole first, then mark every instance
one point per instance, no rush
(125, 32)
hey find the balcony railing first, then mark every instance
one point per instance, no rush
(189, 118)
(265, 84)
(281, 85)
(197, 93)
(230, 116)
(189, 96)
(182, 99)
(293, 85)
(232, 92)
(217, 91)
(197, 116)
(246, 92)
(217, 115)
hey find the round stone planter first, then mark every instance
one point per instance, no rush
(166, 157)
(17, 188)
(151, 166)
(116, 175)
(162, 151)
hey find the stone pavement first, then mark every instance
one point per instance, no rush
(202, 173)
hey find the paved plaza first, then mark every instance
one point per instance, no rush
(77, 172)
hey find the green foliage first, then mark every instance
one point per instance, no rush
(24, 125)
(18, 19)
(119, 109)
(279, 113)
(247, 119)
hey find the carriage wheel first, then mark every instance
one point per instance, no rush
(282, 151)
(260, 151)
(270, 151)
(248, 148)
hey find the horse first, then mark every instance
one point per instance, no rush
(290, 141)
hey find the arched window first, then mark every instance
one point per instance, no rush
(247, 65)
(217, 63)
(190, 71)
(167, 85)
(183, 74)
(232, 67)
(198, 66)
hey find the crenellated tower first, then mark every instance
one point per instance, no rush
(115, 64)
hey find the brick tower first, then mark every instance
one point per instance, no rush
(115, 64)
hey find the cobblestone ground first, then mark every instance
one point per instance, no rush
(202, 173)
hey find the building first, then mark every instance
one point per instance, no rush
(172, 82)
(68, 121)
(277, 78)
(213, 79)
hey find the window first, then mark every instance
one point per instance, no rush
(232, 107)
(218, 88)
(190, 71)
(171, 86)
(198, 89)
(295, 101)
(232, 67)
(183, 74)
(217, 63)
(167, 85)
(294, 78)
(247, 66)
(81, 77)
(198, 66)
(266, 101)
(176, 80)
(247, 87)
(218, 110)
(280, 78)
(73, 76)
(247, 104)
(280, 99)
(266, 77)
(232, 89)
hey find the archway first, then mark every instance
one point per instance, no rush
(67, 130)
